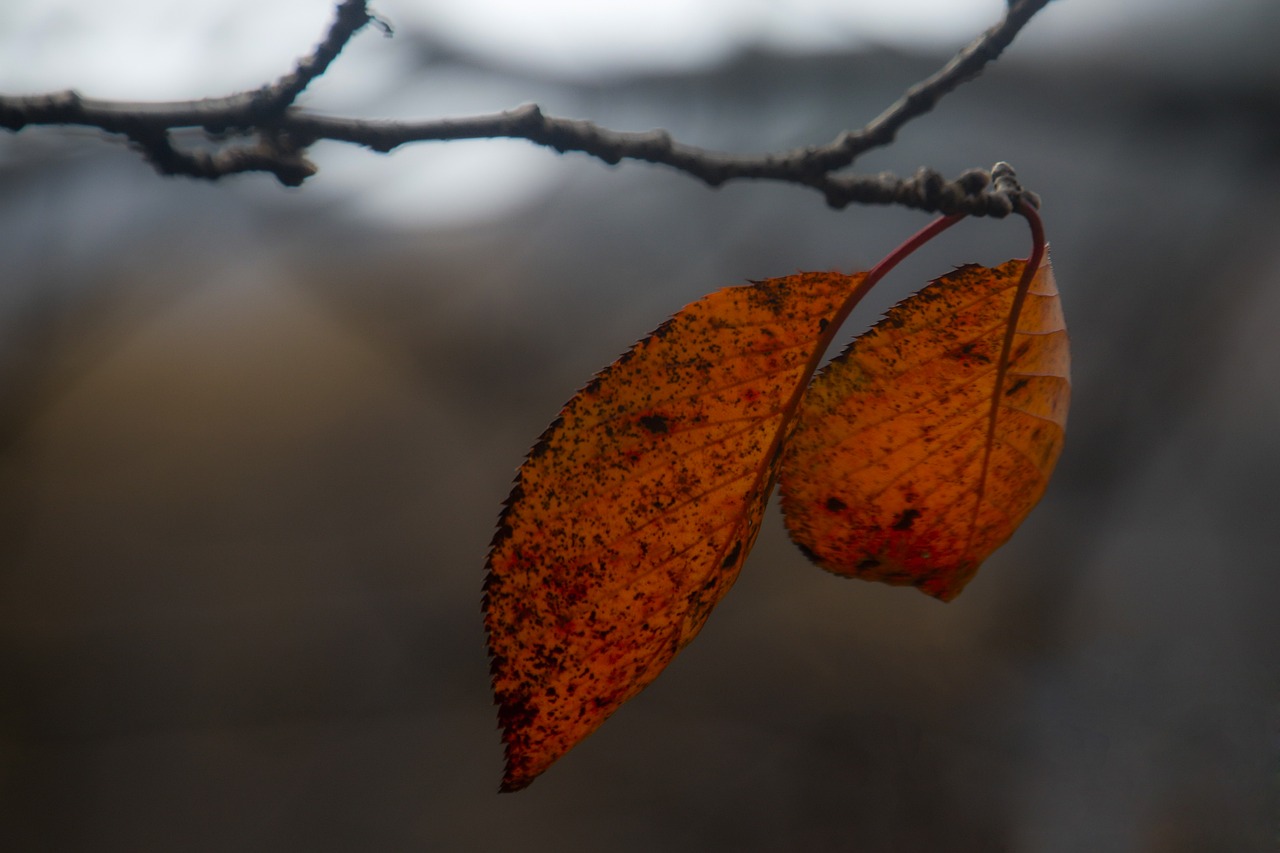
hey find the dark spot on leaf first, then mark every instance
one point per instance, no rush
(834, 504)
(732, 556)
(515, 712)
(770, 294)
(663, 330)
(654, 423)
(823, 322)
(1016, 387)
(868, 563)
(971, 351)
(906, 519)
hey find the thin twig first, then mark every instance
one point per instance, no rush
(284, 131)
(274, 99)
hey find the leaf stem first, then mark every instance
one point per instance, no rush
(1028, 212)
(880, 270)
(910, 245)
(1029, 270)
(859, 290)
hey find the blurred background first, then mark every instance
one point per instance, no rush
(253, 441)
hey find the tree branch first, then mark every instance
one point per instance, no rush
(278, 132)
(272, 100)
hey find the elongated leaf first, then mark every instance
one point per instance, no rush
(634, 511)
(918, 452)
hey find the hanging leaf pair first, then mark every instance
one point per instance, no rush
(908, 459)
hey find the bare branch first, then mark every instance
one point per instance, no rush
(924, 96)
(282, 132)
(272, 154)
(274, 99)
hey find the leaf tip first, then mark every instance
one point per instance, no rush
(945, 586)
(513, 781)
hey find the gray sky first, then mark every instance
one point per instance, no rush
(160, 49)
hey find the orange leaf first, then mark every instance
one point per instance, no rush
(633, 513)
(921, 449)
